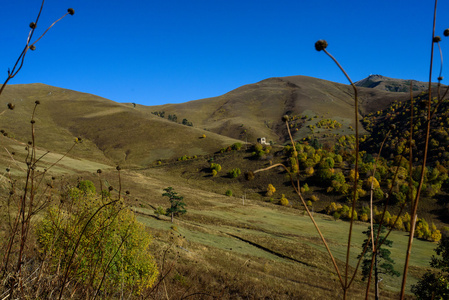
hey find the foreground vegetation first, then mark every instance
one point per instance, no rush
(247, 232)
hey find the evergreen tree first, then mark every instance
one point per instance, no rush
(383, 263)
(177, 205)
(435, 285)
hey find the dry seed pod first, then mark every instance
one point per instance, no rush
(320, 45)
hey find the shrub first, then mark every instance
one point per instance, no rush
(314, 198)
(214, 172)
(372, 180)
(236, 146)
(364, 217)
(160, 211)
(283, 201)
(270, 190)
(249, 175)
(234, 173)
(310, 171)
(228, 193)
(87, 187)
(378, 194)
(336, 215)
(305, 188)
(216, 167)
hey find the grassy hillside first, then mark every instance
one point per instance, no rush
(113, 133)
(255, 110)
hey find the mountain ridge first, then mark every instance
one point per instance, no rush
(133, 135)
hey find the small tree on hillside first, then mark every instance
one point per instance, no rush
(383, 263)
(177, 205)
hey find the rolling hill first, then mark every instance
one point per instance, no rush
(131, 135)
(259, 107)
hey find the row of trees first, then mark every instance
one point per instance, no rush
(172, 117)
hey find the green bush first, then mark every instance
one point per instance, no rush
(216, 167)
(234, 173)
(160, 211)
(228, 193)
(236, 146)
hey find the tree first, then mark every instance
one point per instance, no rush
(96, 242)
(383, 263)
(177, 205)
(435, 285)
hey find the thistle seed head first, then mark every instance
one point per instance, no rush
(110, 188)
(11, 106)
(320, 45)
(99, 171)
(285, 118)
(32, 47)
(71, 11)
(118, 168)
(392, 127)
(436, 39)
(440, 78)
(446, 32)
(32, 121)
(37, 102)
(33, 25)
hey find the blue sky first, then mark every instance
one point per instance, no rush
(157, 52)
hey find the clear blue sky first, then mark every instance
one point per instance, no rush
(157, 52)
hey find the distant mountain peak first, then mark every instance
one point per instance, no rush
(380, 82)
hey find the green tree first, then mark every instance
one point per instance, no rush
(383, 263)
(177, 205)
(435, 285)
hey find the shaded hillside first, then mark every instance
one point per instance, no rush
(113, 133)
(259, 107)
(399, 114)
(380, 82)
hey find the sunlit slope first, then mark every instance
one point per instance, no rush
(111, 132)
(259, 107)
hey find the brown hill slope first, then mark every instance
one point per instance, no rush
(259, 107)
(117, 133)
(113, 133)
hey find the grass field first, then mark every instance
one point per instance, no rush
(272, 236)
